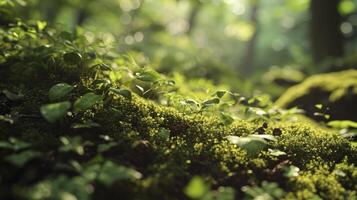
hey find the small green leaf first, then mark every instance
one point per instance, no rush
(72, 58)
(225, 193)
(102, 66)
(253, 145)
(341, 124)
(220, 93)
(267, 191)
(55, 111)
(123, 92)
(66, 36)
(88, 124)
(140, 88)
(210, 102)
(291, 171)
(74, 144)
(41, 25)
(59, 91)
(318, 106)
(18, 144)
(105, 147)
(318, 114)
(111, 172)
(196, 188)
(275, 152)
(5, 145)
(6, 118)
(227, 119)
(148, 76)
(190, 102)
(264, 136)
(86, 101)
(22, 158)
(12, 96)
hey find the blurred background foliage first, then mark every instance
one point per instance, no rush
(247, 45)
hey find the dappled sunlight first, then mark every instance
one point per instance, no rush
(178, 99)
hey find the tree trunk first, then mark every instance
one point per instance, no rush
(193, 16)
(82, 16)
(51, 10)
(247, 64)
(326, 37)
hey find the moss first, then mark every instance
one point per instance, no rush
(337, 90)
(305, 143)
(191, 145)
(320, 183)
(166, 146)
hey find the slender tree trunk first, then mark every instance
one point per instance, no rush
(82, 16)
(51, 10)
(326, 37)
(247, 64)
(193, 17)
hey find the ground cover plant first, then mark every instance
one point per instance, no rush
(80, 120)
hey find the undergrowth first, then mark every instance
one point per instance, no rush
(78, 121)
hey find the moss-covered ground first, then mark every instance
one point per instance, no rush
(72, 127)
(337, 91)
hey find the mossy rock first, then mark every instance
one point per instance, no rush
(285, 77)
(195, 145)
(337, 92)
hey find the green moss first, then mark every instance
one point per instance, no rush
(337, 90)
(321, 183)
(164, 146)
(305, 143)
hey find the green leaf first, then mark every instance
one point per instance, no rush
(111, 172)
(140, 88)
(196, 188)
(87, 124)
(341, 124)
(102, 66)
(148, 76)
(253, 145)
(18, 144)
(319, 106)
(66, 36)
(6, 118)
(123, 92)
(220, 93)
(210, 102)
(5, 145)
(55, 111)
(72, 58)
(74, 144)
(22, 158)
(264, 136)
(190, 102)
(227, 119)
(12, 96)
(275, 152)
(225, 193)
(291, 171)
(105, 147)
(86, 101)
(267, 191)
(41, 25)
(59, 91)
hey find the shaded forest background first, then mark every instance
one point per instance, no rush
(227, 41)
